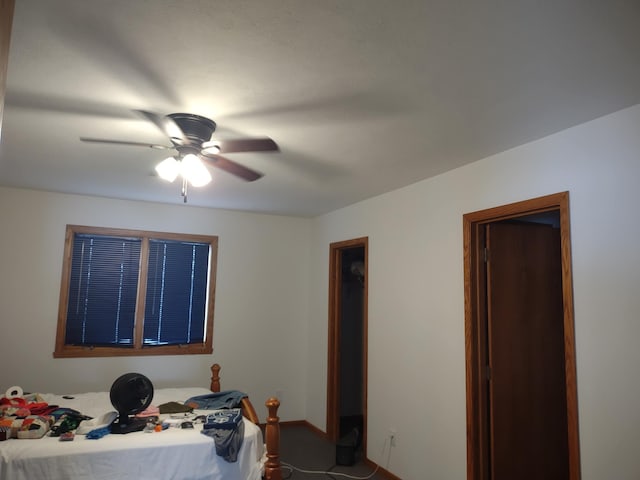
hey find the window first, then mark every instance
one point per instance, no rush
(126, 292)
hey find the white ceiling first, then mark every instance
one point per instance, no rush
(362, 96)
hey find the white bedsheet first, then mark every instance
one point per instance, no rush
(175, 453)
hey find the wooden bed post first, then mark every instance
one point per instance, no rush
(215, 378)
(272, 469)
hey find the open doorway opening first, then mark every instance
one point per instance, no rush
(347, 368)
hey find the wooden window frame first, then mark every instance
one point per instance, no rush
(73, 351)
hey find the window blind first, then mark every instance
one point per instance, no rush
(176, 297)
(102, 290)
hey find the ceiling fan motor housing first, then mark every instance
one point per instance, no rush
(196, 128)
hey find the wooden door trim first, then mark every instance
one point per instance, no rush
(473, 225)
(333, 355)
(7, 8)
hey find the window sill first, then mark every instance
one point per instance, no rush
(79, 352)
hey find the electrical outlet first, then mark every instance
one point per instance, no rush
(392, 437)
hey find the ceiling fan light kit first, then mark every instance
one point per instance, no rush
(191, 135)
(188, 167)
(168, 169)
(193, 170)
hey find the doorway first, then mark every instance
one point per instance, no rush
(347, 355)
(520, 350)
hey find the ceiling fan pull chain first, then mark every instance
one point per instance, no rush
(184, 189)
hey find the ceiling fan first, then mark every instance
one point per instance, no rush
(190, 136)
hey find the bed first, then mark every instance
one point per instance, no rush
(174, 453)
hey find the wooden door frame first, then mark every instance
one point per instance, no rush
(7, 8)
(474, 308)
(333, 374)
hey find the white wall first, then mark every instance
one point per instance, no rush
(260, 310)
(272, 297)
(416, 317)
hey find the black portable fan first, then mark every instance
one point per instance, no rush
(131, 393)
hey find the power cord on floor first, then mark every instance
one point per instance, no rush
(327, 472)
(292, 468)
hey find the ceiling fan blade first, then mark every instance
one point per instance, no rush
(246, 145)
(122, 142)
(231, 167)
(167, 125)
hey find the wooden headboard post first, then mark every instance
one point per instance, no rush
(215, 378)
(247, 408)
(272, 469)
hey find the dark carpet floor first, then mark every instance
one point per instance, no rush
(304, 449)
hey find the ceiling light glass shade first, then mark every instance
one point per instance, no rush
(168, 169)
(194, 171)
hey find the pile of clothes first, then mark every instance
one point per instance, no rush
(30, 417)
(225, 425)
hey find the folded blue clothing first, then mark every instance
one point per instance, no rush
(225, 419)
(227, 430)
(217, 400)
(98, 433)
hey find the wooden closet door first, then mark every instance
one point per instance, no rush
(527, 391)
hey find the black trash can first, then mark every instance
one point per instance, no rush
(346, 448)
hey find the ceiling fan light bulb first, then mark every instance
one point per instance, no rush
(168, 169)
(194, 171)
